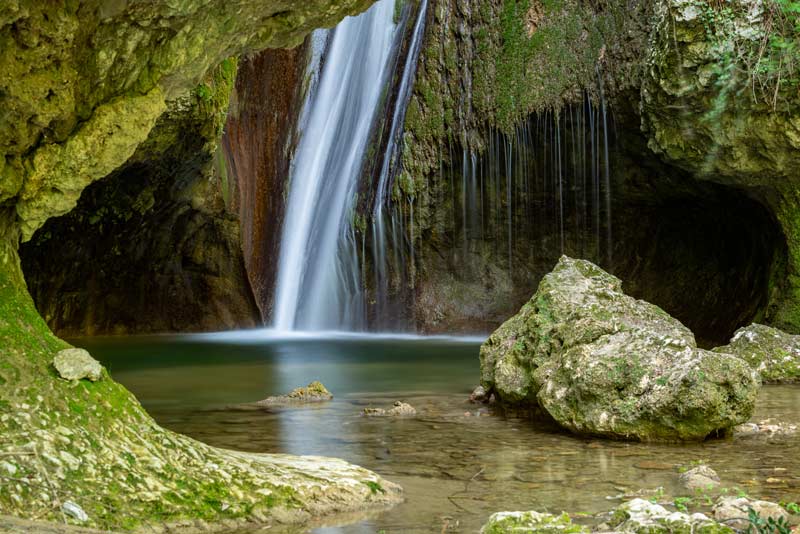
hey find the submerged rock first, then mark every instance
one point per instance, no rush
(701, 477)
(772, 352)
(400, 409)
(531, 522)
(77, 364)
(734, 511)
(603, 363)
(314, 392)
(766, 428)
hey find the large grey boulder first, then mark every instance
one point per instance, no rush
(77, 364)
(772, 352)
(600, 362)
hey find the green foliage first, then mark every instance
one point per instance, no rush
(792, 507)
(374, 487)
(770, 63)
(759, 525)
(682, 503)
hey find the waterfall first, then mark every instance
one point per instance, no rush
(319, 281)
(382, 207)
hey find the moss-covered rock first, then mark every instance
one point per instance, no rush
(636, 516)
(92, 443)
(160, 226)
(531, 523)
(89, 78)
(82, 86)
(600, 362)
(312, 393)
(772, 352)
(643, 517)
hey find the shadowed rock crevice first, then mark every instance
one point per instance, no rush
(153, 247)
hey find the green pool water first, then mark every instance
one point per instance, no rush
(457, 462)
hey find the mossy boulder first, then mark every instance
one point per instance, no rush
(600, 362)
(531, 523)
(772, 352)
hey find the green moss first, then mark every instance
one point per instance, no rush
(374, 487)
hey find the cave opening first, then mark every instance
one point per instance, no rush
(565, 183)
(708, 258)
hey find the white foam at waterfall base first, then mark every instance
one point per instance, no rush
(260, 335)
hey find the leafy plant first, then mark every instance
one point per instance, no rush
(760, 525)
(770, 63)
(683, 503)
(791, 507)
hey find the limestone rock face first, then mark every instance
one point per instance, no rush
(772, 352)
(77, 364)
(602, 363)
(86, 81)
(715, 103)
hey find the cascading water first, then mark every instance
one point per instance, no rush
(383, 209)
(319, 283)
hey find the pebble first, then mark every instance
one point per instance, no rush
(74, 511)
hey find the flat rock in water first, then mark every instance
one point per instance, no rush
(772, 352)
(77, 364)
(767, 428)
(602, 363)
(653, 465)
(400, 409)
(312, 393)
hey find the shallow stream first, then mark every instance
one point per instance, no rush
(456, 462)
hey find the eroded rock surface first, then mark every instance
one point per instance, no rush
(772, 352)
(600, 362)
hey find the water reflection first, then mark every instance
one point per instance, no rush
(457, 463)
